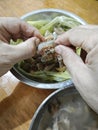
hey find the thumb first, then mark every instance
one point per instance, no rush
(73, 62)
(25, 50)
(82, 75)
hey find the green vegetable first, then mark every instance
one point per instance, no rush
(38, 24)
(78, 50)
(64, 21)
(15, 42)
(46, 76)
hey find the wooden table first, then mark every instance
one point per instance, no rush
(18, 101)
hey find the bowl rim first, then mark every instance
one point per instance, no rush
(36, 84)
(69, 13)
(47, 99)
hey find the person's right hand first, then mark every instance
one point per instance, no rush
(84, 75)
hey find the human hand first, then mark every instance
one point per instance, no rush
(13, 28)
(84, 75)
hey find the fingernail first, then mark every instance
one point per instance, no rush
(42, 38)
(37, 41)
(58, 49)
(56, 42)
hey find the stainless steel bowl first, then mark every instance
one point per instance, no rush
(66, 107)
(45, 14)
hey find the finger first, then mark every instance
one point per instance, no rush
(83, 77)
(63, 39)
(37, 34)
(29, 31)
(16, 28)
(73, 62)
(25, 50)
(82, 37)
(72, 37)
(78, 70)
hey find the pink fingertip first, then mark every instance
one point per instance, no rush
(58, 49)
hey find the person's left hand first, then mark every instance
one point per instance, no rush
(13, 28)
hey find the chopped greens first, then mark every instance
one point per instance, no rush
(60, 21)
(38, 24)
(46, 76)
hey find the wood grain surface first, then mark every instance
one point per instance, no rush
(18, 102)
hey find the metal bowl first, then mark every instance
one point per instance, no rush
(37, 15)
(65, 108)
